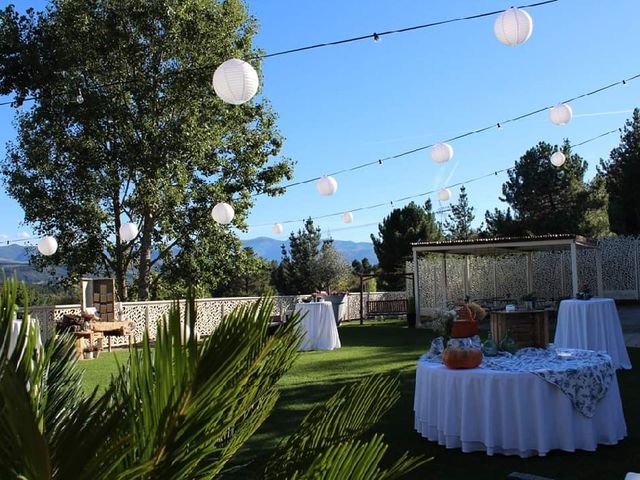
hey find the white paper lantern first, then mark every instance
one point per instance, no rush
(327, 186)
(277, 228)
(513, 26)
(222, 213)
(347, 217)
(235, 81)
(441, 152)
(128, 231)
(561, 114)
(444, 194)
(47, 246)
(558, 159)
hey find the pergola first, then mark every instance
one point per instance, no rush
(506, 246)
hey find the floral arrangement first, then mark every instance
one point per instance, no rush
(442, 322)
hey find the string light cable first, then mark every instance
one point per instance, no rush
(430, 192)
(497, 125)
(376, 36)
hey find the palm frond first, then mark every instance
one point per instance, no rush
(356, 460)
(350, 412)
(191, 407)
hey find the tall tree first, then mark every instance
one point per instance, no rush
(545, 198)
(125, 127)
(397, 231)
(622, 171)
(458, 224)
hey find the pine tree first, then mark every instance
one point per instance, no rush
(458, 223)
(622, 171)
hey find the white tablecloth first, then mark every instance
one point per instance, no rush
(592, 325)
(319, 326)
(512, 413)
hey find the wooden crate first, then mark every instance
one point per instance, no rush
(529, 328)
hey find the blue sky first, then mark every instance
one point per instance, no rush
(345, 105)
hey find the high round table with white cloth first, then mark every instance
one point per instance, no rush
(594, 325)
(319, 326)
(510, 413)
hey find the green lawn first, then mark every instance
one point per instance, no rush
(393, 348)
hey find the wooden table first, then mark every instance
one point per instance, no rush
(529, 328)
(91, 336)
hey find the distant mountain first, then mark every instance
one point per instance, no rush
(15, 258)
(269, 248)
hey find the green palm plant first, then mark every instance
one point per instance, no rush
(179, 410)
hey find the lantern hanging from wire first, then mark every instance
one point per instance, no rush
(513, 27)
(347, 217)
(128, 231)
(47, 246)
(277, 228)
(441, 152)
(561, 114)
(444, 194)
(558, 159)
(327, 185)
(235, 81)
(222, 213)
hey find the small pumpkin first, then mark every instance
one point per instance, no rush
(462, 357)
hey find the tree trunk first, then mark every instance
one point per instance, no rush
(144, 270)
(120, 267)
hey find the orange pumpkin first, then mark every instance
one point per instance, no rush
(464, 328)
(462, 357)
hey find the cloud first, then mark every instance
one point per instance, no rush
(25, 235)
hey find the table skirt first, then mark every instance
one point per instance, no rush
(510, 413)
(319, 326)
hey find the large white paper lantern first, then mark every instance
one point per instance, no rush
(513, 26)
(444, 194)
(558, 159)
(235, 81)
(327, 185)
(128, 231)
(347, 217)
(441, 152)
(277, 228)
(47, 246)
(561, 114)
(222, 213)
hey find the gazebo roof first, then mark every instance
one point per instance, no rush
(505, 245)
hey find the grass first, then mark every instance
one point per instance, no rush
(392, 348)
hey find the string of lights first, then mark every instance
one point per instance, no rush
(423, 194)
(376, 36)
(497, 125)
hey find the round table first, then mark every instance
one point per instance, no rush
(511, 413)
(318, 325)
(594, 325)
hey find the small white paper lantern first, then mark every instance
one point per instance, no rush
(441, 152)
(222, 213)
(277, 228)
(444, 194)
(347, 217)
(327, 186)
(235, 81)
(47, 246)
(513, 27)
(561, 114)
(558, 159)
(128, 231)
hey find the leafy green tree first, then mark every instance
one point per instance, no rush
(544, 198)
(332, 271)
(126, 127)
(397, 231)
(252, 277)
(180, 409)
(621, 171)
(458, 224)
